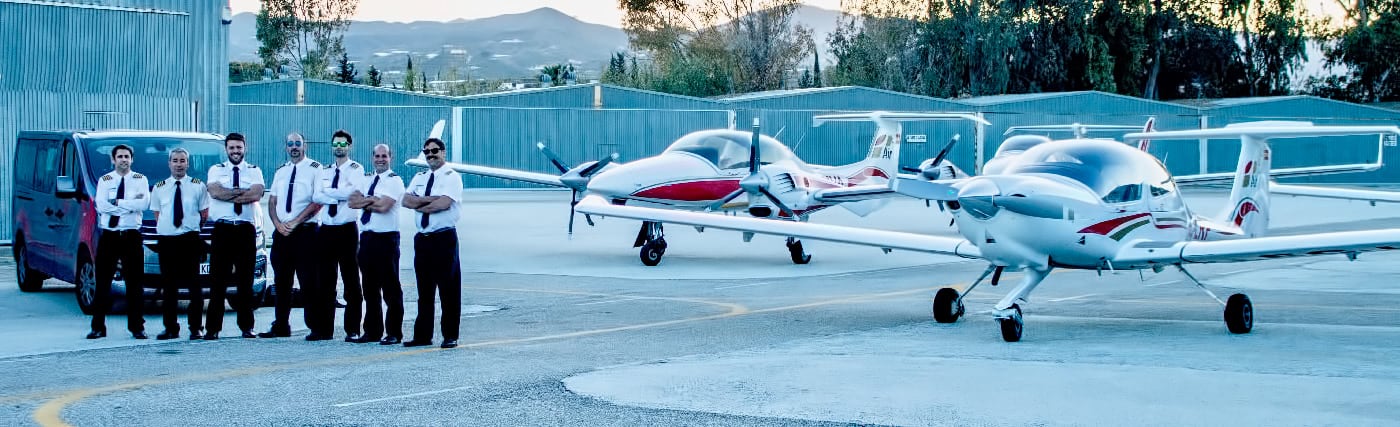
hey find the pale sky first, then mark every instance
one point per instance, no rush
(595, 11)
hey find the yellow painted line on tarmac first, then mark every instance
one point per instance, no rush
(50, 414)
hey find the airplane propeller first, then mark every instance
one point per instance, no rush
(934, 170)
(757, 181)
(576, 179)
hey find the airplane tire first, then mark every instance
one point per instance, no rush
(1239, 314)
(799, 256)
(1011, 326)
(946, 308)
(651, 253)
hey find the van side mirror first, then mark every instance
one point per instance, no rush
(65, 188)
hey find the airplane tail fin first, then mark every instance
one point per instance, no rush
(1147, 128)
(882, 160)
(1248, 207)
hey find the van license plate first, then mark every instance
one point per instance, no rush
(204, 268)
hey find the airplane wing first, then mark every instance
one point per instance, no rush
(1223, 177)
(901, 186)
(1335, 193)
(878, 238)
(1149, 253)
(511, 174)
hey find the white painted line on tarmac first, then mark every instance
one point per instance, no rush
(402, 396)
(743, 285)
(1163, 283)
(1070, 298)
(609, 301)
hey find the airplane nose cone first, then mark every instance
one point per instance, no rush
(614, 182)
(976, 197)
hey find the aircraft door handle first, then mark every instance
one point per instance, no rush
(58, 214)
(48, 211)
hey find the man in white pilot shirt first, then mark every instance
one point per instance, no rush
(435, 196)
(293, 246)
(122, 197)
(235, 187)
(379, 250)
(339, 235)
(181, 204)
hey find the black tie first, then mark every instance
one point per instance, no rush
(364, 217)
(237, 207)
(121, 193)
(335, 183)
(291, 185)
(427, 192)
(179, 206)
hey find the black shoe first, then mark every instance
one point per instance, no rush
(95, 334)
(319, 337)
(366, 340)
(196, 336)
(275, 334)
(449, 343)
(168, 335)
(416, 343)
(212, 336)
(140, 335)
(248, 333)
(390, 341)
(352, 338)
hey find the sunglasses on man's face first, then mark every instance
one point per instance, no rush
(294, 143)
(431, 151)
(340, 144)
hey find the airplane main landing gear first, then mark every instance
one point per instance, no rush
(795, 250)
(652, 239)
(1239, 311)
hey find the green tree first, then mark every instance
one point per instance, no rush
(816, 68)
(302, 35)
(376, 78)
(1366, 45)
(347, 73)
(239, 72)
(616, 72)
(410, 79)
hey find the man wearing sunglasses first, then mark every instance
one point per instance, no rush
(435, 196)
(339, 235)
(293, 251)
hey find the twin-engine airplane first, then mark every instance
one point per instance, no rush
(732, 170)
(1089, 204)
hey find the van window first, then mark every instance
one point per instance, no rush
(46, 167)
(24, 172)
(152, 155)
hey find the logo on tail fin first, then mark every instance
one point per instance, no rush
(884, 147)
(1245, 208)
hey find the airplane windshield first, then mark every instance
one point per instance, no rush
(729, 149)
(1112, 170)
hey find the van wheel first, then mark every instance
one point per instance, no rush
(87, 284)
(29, 280)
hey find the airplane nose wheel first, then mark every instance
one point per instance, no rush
(946, 306)
(652, 252)
(1239, 314)
(795, 250)
(1011, 325)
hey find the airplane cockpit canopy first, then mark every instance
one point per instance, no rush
(1114, 171)
(729, 149)
(1019, 143)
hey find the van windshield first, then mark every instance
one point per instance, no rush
(151, 157)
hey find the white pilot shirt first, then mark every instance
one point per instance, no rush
(448, 183)
(133, 203)
(352, 178)
(308, 172)
(248, 176)
(390, 185)
(194, 197)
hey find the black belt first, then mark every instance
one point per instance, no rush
(134, 230)
(438, 231)
(229, 222)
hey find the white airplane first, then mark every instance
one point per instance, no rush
(1090, 204)
(715, 170)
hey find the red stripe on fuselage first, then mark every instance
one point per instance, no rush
(1107, 226)
(690, 191)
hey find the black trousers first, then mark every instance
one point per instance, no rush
(379, 267)
(437, 267)
(180, 256)
(337, 244)
(294, 260)
(233, 253)
(126, 246)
